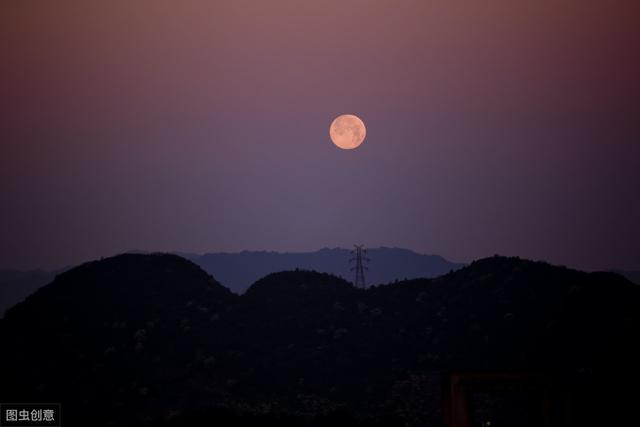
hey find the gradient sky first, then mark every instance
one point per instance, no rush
(505, 127)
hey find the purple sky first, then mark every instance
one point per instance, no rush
(492, 127)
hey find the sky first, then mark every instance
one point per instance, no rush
(493, 127)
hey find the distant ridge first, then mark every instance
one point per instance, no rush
(239, 270)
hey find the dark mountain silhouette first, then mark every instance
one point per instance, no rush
(103, 333)
(633, 276)
(239, 270)
(154, 340)
(17, 285)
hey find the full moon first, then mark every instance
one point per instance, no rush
(347, 131)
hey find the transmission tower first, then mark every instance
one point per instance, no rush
(360, 259)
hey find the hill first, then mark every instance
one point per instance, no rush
(154, 340)
(17, 285)
(239, 270)
(104, 333)
(633, 276)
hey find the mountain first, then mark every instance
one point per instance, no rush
(17, 285)
(154, 340)
(633, 276)
(107, 330)
(239, 270)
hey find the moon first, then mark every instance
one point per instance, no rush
(347, 131)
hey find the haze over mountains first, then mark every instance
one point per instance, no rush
(239, 270)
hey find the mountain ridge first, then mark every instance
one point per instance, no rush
(145, 334)
(238, 270)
